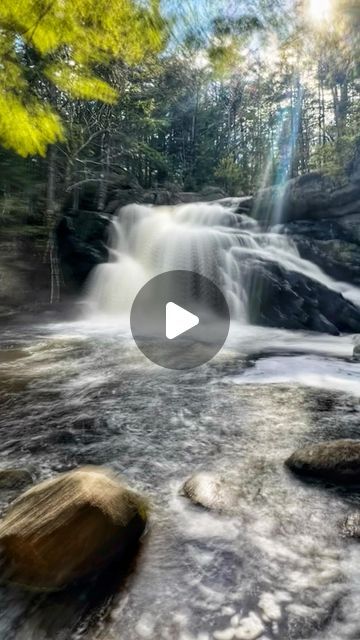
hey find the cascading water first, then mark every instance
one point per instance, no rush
(208, 238)
(147, 241)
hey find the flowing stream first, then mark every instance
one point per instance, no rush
(80, 393)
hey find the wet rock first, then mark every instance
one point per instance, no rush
(313, 196)
(290, 300)
(210, 491)
(338, 256)
(337, 461)
(351, 525)
(69, 527)
(15, 478)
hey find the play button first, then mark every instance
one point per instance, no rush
(180, 319)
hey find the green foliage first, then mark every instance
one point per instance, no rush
(224, 58)
(229, 175)
(335, 157)
(58, 45)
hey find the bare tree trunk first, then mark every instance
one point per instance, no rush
(105, 170)
(50, 217)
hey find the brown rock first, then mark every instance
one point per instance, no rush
(69, 527)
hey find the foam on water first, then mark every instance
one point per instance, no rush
(308, 371)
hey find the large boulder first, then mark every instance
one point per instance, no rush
(312, 196)
(71, 526)
(290, 300)
(81, 236)
(337, 461)
(333, 245)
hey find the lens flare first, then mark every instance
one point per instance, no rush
(320, 11)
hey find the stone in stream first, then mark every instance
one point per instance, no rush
(15, 478)
(210, 491)
(337, 461)
(351, 525)
(69, 527)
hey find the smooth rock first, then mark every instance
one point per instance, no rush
(69, 527)
(210, 490)
(337, 461)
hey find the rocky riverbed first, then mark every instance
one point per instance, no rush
(276, 564)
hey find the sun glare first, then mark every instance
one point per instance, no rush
(320, 10)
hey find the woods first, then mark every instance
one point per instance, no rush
(117, 93)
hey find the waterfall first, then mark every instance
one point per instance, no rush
(208, 238)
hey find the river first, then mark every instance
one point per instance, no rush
(80, 393)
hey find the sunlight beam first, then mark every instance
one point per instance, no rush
(320, 11)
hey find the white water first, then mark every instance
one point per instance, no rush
(276, 567)
(210, 239)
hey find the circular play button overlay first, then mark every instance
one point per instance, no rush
(180, 319)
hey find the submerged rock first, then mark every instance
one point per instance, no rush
(210, 491)
(351, 525)
(15, 478)
(69, 527)
(337, 461)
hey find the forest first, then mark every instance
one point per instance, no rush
(243, 98)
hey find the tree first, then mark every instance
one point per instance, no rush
(55, 48)
(229, 175)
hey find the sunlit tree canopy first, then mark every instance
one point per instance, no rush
(59, 45)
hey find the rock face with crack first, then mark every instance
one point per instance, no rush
(71, 526)
(337, 461)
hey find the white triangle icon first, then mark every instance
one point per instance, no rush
(178, 320)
